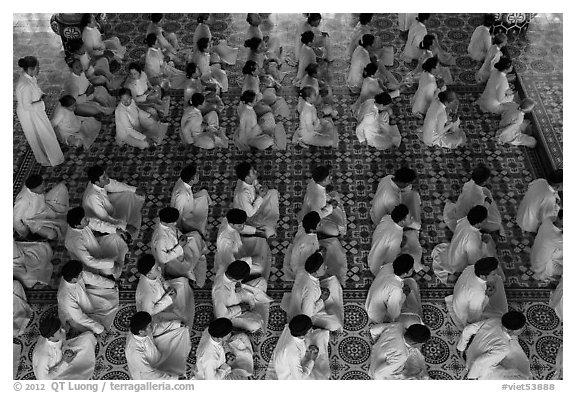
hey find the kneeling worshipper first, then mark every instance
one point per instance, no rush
(156, 350)
(498, 96)
(39, 212)
(102, 255)
(493, 350)
(77, 131)
(391, 238)
(547, 255)
(301, 352)
(86, 301)
(110, 204)
(393, 292)
(32, 263)
(222, 355)
(316, 295)
(374, 123)
(243, 300)
(325, 202)
(442, 125)
(540, 201)
(55, 358)
(236, 240)
(474, 192)
(192, 206)
(396, 353)
(467, 246)
(306, 242)
(514, 129)
(179, 255)
(21, 315)
(258, 201)
(201, 129)
(134, 126)
(478, 294)
(165, 300)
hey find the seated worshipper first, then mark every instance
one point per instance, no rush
(165, 300)
(481, 39)
(467, 246)
(221, 355)
(474, 192)
(136, 127)
(39, 212)
(272, 46)
(110, 204)
(306, 56)
(251, 82)
(377, 49)
(92, 38)
(556, 300)
(77, 131)
(179, 255)
(96, 68)
(221, 51)
(236, 240)
(492, 348)
(492, 57)
(90, 100)
(429, 48)
(314, 131)
(546, 257)
(156, 350)
(540, 201)
(396, 352)
(316, 295)
(250, 134)
(21, 311)
(372, 85)
(32, 263)
(193, 207)
(55, 358)
(210, 68)
(478, 294)
(306, 243)
(393, 292)
(300, 353)
(147, 97)
(167, 42)
(497, 96)
(321, 43)
(244, 303)
(256, 48)
(86, 301)
(440, 128)
(200, 130)
(271, 82)
(416, 33)
(212, 101)
(514, 129)
(160, 72)
(427, 88)
(392, 237)
(360, 58)
(324, 96)
(102, 255)
(258, 201)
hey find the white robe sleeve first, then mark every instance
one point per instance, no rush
(43, 372)
(84, 255)
(467, 333)
(125, 128)
(220, 308)
(249, 208)
(75, 313)
(117, 186)
(21, 212)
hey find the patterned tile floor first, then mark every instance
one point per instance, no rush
(538, 55)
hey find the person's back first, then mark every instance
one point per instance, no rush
(389, 353)
(538, 202)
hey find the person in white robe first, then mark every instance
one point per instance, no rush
(396, 352)
(475, 192)
(440, 128)
(156, 350)
(147, 97)
(478, 294)
(92, 38)
(161, 73)
(103, 255)
(55, 358)
(494, 351)
(201, 130)
(427, 88)
(258, 201)
(481, 39)
(179, 255)
(95, 67)
(236, 240)
(312, 130)
(192, 206)
(239, 298)
(360, 58)
(273, 49)
(250, 134)
(73, 130)
(385, 53)
(392, 237)
(221, 51)
(316, 295)
(540, 201)
(321, 43)
(393, 292)
(168, 42)
(546, 257)
(165, 300)
(39, 212)
(301, 353)
(491, 58)
(514, 129)
(405, 21)
(32, 263)
(374, 127)
(416, 33)
(110, 204)
(467, 246)
(86, 301)
(497, 96)
(209, 64)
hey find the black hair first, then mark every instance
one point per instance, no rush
(447, 96)
(124, 91)
(190, 70)
(236, 216)
(307, 37)
(313, 262)
(312, 70)
(155, 18)
(249, 67)
(484, 266)
(320, 173)
(188, 172)
(71, 270)
(418, 333)
(477, 214)
(139, 321)
(365, 18)
(253, 43)
(243, 170)
(489, 20)
(555, 177)
(310, 221)
(313, 17)
(27, 62)
(75, 216)
(480, 174)
(403, 264)
(202, 44)
(85, 21)
(306, 92)
(49, 326)
(33, 181)
(399, 213)
(248, 96)
(150, 39)
(197, 99)
(383, 98)
(369, 70)
(513, 320)
(503, 64)
(145, 263)
(168, 215)
(430, 63)
(135, 66)
(366, 40)
(427, 41)
(423, 17)
(67, 101)
(95, 172)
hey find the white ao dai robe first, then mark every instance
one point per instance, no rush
(547, 252)
(539, 202)
(193, 208)
(263, 211)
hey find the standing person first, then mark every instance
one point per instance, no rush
(31, 112)
(540, 201)
(192, 206)
(492, 57)
(497, 96)
(514, 129)
(439, 128)
(546, 257)
(481, 39)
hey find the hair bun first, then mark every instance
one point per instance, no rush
(22, 62)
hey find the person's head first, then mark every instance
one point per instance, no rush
(248, 97)
(312, 70)
(417, 334)
(423, 17)
(76, 217)
(246, 172)
(403, 265)
(365, 18)
(75, 66)
(168, 215)
(203, 18)
(382, 99)
(554, 178)
(220, 329)
(366, 41)
(156, 18)
(370, 70)
(253, 19)
(310, 221)
(68, 101)
(504, 65)
(527, 105)
(447, 97)
(321, 175)
(500, 39)
(255, 44)
(135, 70)
(314, 265)
(400, 215)
(486, 267)
(513, 322)
(35, 183)
(203, 44)
(197, 99)
(71, 271)
(97, 175)
(51, 329)
(307, 37)
(314, 19)
(249, 68)
(147, 266)
(238, 270)
(29, 65)
(481, 174)
(87, 20)
(236, 218)
(427, 42)
(141, 324)
(430, 64)
(300, 325)
(403, 177)
(191, 70)
(125, 96)
(188, 174)
(477, 215)
(151, 40)
(489, 20)
(308, 93)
